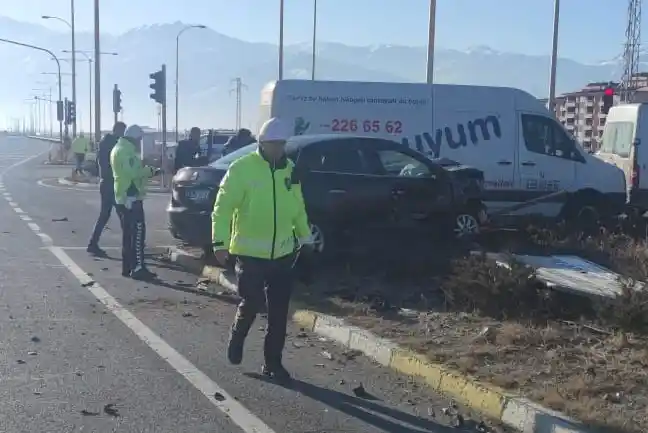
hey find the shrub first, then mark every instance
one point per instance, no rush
(480, 284)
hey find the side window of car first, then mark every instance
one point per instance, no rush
(332, 158)
(400, 164)
(544, 136)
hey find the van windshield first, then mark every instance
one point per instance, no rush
(618, 138)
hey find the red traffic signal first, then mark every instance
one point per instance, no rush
(608, 99)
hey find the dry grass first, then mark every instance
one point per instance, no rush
(588, 359)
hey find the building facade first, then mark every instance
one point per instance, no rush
(581, 111)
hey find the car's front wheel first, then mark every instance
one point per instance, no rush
(466, 224)
(318, 238)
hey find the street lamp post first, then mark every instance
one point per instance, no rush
(58, 65)
(430, 47)
(177, 72)
(70, 24)
(314, 39)
(90, 61)
(281, 38)
(554, 59)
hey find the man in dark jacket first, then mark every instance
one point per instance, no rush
(242, 138)
(106, 186)
(187, 150)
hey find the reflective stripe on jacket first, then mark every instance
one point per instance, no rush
(129, 173)
(259, 209)
(81, 145)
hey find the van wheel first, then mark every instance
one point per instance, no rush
(582, 213)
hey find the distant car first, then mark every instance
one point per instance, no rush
(353, 187)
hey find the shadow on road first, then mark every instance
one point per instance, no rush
(385, 418)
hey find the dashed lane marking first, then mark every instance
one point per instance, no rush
(230, 407)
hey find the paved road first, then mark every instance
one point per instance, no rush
(77, 337)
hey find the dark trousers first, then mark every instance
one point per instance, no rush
(133, 236)
(106, 190)
(261, 281)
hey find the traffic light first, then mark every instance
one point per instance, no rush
(608, 99)
(159, 86)
(60, 111)
(70, 112)
(117, 101)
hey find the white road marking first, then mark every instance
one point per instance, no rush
(43, 183)
(13, 203)
(25, 218)
(231, 408)
(18, 210)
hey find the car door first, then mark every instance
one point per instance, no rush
(547, 162)
(339, 189)
(419, 189)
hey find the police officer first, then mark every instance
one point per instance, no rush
(130, 188)
(106, 186)
(80, 147)
(257, 214)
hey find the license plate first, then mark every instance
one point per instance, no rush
(197, 195)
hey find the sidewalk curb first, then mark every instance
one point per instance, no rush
(64, 181)
(49, 139)
(493, 402)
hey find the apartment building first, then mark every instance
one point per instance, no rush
(580, 111)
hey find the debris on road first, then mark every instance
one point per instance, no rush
(111, 410)
(327, 355)
(219, 397)
(20, 361)
(86, 412)
(32, 353)
(359, 391)
(88, 284)
(60, 220)
(35, 339)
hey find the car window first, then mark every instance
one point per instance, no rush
(333, 157)
(618, 138)
(396, 163)
(544, 136)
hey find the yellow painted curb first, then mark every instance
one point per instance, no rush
(212, 273)
(305, 319)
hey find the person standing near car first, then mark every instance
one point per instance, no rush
(106, 186)
(130, 178)
(242, 138)
(187, 150)
(258, 212)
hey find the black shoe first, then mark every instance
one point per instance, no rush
(96, 251)
(276, 372)
(235, 349)
(143, 274)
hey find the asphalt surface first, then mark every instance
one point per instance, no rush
(78, 336)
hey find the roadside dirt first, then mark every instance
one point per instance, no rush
(586, 359)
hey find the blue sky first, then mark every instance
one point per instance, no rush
(591, 30)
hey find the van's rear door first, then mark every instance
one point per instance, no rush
(618, 144)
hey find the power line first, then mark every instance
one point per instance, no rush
(238, 89)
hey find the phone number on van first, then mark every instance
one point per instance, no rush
(375, 126)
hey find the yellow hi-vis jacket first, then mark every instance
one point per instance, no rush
(130, 175)
(80, 145)
(259, 209)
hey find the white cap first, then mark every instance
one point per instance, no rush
(275, 129)
(134, 131)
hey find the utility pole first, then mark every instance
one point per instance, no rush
(97, 65)
(238, 89)
(631, 51)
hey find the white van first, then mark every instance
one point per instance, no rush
(626, 129)
(509, 134)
